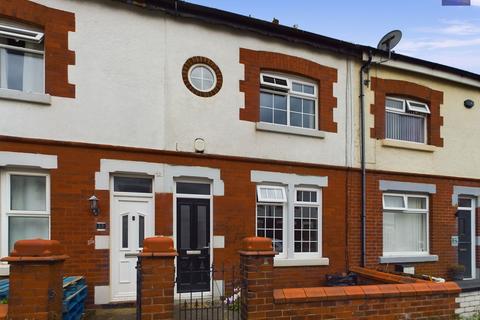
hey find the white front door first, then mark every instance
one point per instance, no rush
(131, 222)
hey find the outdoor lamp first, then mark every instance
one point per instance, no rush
(94, 205)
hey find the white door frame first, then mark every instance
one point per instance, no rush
(149, 229)
(192, 196)
(473, 213)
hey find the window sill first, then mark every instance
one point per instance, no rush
(38, 98)
(408, 145)
(4, 269)
(301, 262)
(262, 126)
(404, 259)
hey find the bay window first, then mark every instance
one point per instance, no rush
(289, 101)
(25, 207)
(406, 120)
(21, 58)
(405, 224)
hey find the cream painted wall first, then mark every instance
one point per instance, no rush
(130, 90)
(460, 156)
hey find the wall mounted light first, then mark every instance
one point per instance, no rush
(94, 205)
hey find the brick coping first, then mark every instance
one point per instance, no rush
(384, 277)
(299, 295)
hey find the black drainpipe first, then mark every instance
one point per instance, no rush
(364, 69)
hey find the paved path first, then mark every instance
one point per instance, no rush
(111, 314)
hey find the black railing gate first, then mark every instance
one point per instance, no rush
(220, 302)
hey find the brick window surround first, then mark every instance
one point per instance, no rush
(56, 24)
(258, 61)
(405, 89)
(206, 61)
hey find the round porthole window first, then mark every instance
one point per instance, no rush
(202, 76)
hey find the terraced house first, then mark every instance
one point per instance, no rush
(121, 120)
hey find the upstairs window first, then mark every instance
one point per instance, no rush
(21, 58)
(406, 120)
(288, 101)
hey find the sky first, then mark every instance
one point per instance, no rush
(445, 34)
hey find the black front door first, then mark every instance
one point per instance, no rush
(193, 244)
(464, 218)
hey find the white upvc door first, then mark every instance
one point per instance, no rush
(131, 222)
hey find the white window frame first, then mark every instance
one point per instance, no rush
(288, 216)
(11, 32)
(206, 66)
(289, 92)
(317, 204)
(407, 107)
(406, 210)
(5, 200)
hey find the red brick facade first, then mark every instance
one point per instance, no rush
(388, 87)
(258, 61)
(56, 24)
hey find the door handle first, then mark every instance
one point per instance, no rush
(194, 252)
(132, 254)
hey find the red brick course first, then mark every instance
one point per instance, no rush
(56, 25)
(258, 61)
(388, 87)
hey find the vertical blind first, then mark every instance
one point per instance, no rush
(405, 127)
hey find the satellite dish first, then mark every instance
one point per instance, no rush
(389, 41)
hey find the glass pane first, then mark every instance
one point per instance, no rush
(202, 226)
(308, 106)
(129, 184)
(184, 227)
(404, 232)
(196, 83)
(28, 193)
(196, 73)
(207, 84)
(308, 89)
(280, 102)
(207, 74)
(193, 188)
(266, 115)
(266, 99)
(465, 202)
(297, 87)
(309, 121)
(21, 71)
(295, 104)
(20, 228)
(394, 104)
(405, 127)
(280, 117)
(141, 230)
(295, 119)
(417, 203)
(393, 201)
(125, 231)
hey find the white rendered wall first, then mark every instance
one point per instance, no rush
(129, 89)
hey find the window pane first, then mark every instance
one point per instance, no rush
(305, 228)
(295, 104)
(417, 203)
(297, 87)
(295, 119)
(125, 231)
(266, 99)
(193, 188)
(266, 115)
(308, 106)
(393, 201)
(280, 117)
(272, 225)
(308, 121)
(20, 228)
(184, 227)
(141, 230)
(394, 104)
(129, 184)
(404, 232)
(405, 127)
(28, 193)
(308, 89)
(280, 102)
(465, 202)
(202, 226)
(196, 73)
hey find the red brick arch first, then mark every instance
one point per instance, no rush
(385, 87)
(56, 24)
(256, 61)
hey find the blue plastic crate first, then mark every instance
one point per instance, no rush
(74, 294)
